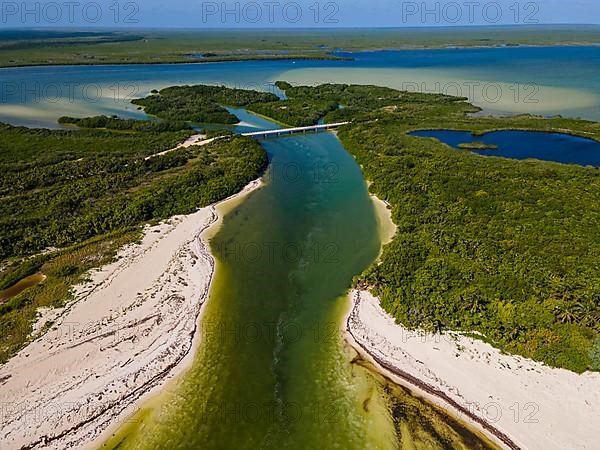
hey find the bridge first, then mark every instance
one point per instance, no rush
(296, 130)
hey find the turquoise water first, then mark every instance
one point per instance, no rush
(557, 147)
(556, 80)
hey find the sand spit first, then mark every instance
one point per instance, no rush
(195, 140)
(130, 329)
(522, 403)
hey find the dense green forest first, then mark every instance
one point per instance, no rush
(62, 187)
(85, 192)
(57, 201)
(200, 104)
(116, 123)
(298, 113)
(296, 110)
(507, 248)
(306, 105)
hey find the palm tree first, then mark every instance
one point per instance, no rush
(515, 331)
(564, 313)
(475, 305)
(589, 312)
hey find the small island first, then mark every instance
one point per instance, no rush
(477, 146)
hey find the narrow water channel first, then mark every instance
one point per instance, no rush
(20, 286)
(272, 371)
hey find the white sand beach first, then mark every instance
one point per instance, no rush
(196, 140)
(130, 329)
(533, 405)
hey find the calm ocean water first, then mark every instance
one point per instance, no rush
(542, 80)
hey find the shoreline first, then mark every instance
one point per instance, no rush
(330, 57)
(510, 399)
(387, 229)
(578, 134)
(133, 328)
(418, 387)
(190, 62)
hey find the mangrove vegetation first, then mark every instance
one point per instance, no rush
(200, 104)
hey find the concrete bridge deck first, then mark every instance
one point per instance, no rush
(295, 130)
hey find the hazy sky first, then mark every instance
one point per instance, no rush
(297, 13)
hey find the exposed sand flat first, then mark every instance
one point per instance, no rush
(492, 96)
(196, 139)
(534, 406)
(130, 329)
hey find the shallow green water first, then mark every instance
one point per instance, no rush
(285, 260)
(272, 371)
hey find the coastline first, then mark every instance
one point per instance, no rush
(131, 329)
(323, 57)
(511, 399)
(190, 61)
(387, 230)
(579, 133)
(357, 322)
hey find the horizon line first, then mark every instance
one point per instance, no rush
(283, 28)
